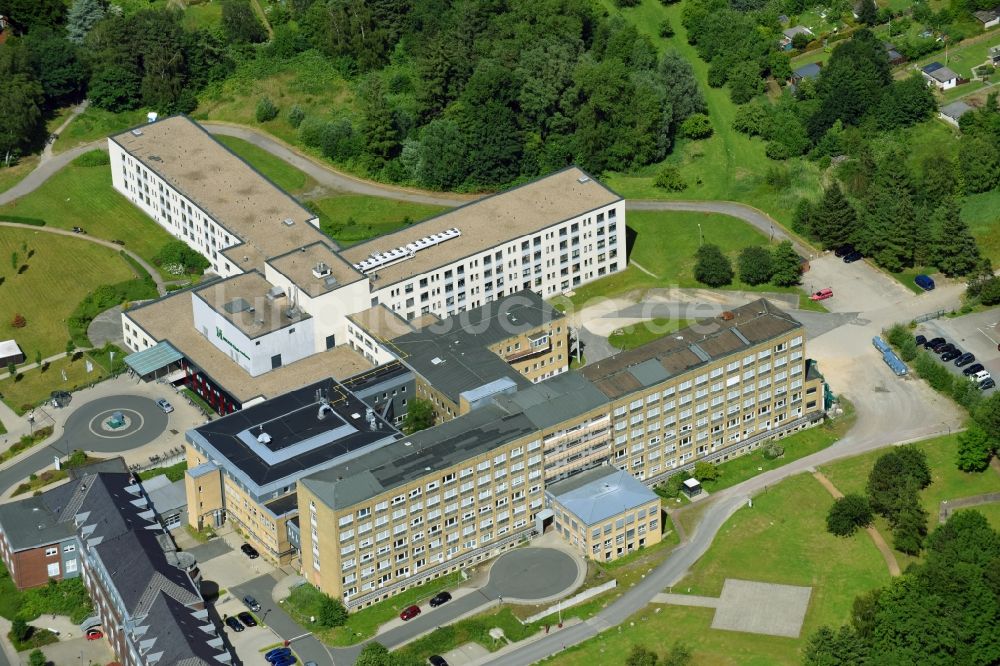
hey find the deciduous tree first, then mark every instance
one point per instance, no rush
(240, 23)
(419, 416)
(712, 268)
(847, 514)
(974, 449)
(755, 265)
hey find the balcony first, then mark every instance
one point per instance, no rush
(530, 352)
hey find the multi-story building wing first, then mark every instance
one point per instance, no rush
(288, 290)
(710, 391)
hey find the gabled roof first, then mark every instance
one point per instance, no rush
(955, 110)
(796, 30)
(809, 71)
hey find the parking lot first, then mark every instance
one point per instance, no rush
(857, 287)
(250, 642)
(978, 333)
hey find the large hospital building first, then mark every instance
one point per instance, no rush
(312, 353)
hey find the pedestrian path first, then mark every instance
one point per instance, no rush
(876, 536)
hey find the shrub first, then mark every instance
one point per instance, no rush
(777, 150)
(800, 41)
(706, 471)
(712, 267)
(178, 253)
(37, 658)
(76, 459)
(666, 29)
(18, 321)
(295, 116)
(19, 629)
(755, 265)
(669, 178)
(847, 514)
(929, 369)
(266, 110)
(332, 613)
(627, 3)
(696, 126)
(773, 450)
(93, 158)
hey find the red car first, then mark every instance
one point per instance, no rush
(822, 294)
(409, 613)
(94, 634)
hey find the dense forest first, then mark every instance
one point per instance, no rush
(494, 91)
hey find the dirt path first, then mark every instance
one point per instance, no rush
(883, 547)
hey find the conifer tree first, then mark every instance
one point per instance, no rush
(955, 249)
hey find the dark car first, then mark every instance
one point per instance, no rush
(277, 653)
(287, 660)
(920, 340)
(409, 613)
(247, 619)
(118, 241)
(250, 551)
(951, 355)
(987, 383)
(938, 345)
(844, 250)
(933, 341)
(925, 282)
(78, 230)
(234, 624)
(973, 369)
(251, 603)
(440, 598)
(437, 660)
(965, 359)
(947, 347)
(852, 257)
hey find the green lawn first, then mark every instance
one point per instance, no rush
(948, 482)
(36, 386)
(204, 15)
(283, 174)
(963, 58)
(61, 271)
(665, 243)
(782, 539)
(982, 213)
(94, 124)
(727, 166)
(304, 602)
(12, 175)
(474, 629)
(352, 218)
(635, 335)
(83, 196)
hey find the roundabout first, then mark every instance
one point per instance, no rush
(113, 425)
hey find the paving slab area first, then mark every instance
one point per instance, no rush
(762, 608)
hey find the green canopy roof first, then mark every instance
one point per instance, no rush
(155, 358)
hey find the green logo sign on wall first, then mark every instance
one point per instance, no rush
(218, 334)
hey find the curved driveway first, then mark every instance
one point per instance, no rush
(160, 286)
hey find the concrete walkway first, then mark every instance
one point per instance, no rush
(876, 536)
(686, 600)
(161, 288)
(948, 507)
(47, 153)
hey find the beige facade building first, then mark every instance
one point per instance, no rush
(605, 512)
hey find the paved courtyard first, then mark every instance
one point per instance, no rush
(532, 574)
(762, 608)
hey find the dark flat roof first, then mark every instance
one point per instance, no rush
(453, 354)
(280, 439)
(676, 353)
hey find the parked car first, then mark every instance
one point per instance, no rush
(409, 612)
(250, 551)
(287, 660)
(852, 257)
(822, 294)
(843, 250)
(982, 376)
(987, 383)
(437, 660)
(951, 355)
(78, 230)
(247, 619)
(939, 345)
(277, 653)
(965, 359)
(118, 241)
(251, 603)
(920, 340)
(440, 598)
(933, 341)
(973, 369)
(94, 634)
(164, 405)
(234, 624)
(947, 347)
(925, 282)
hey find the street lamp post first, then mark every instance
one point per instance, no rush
(701, 236)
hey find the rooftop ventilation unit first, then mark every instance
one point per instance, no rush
(436, 361)
(379, 259)
(330, 282)
(321, 270)
(137, 132)
(264, 438)
(288, 221)
(583, 179)
(274, 293)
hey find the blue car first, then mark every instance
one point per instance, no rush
(277, 653)
(925, 282)
(287, 660)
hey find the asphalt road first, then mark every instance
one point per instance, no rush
(306, 645)
(78, 435)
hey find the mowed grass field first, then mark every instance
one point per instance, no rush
(664, 243)
(12, 175)
(782, 539)
(726, 166)
(36, 386)
(83, 196)
(60, 273)
(94, 124)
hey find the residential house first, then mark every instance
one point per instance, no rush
(940, 76)
(895, 57)
(951, 113)
(790, 33)
(810, 71)
(990, 18)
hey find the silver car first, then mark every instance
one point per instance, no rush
(164, 405)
